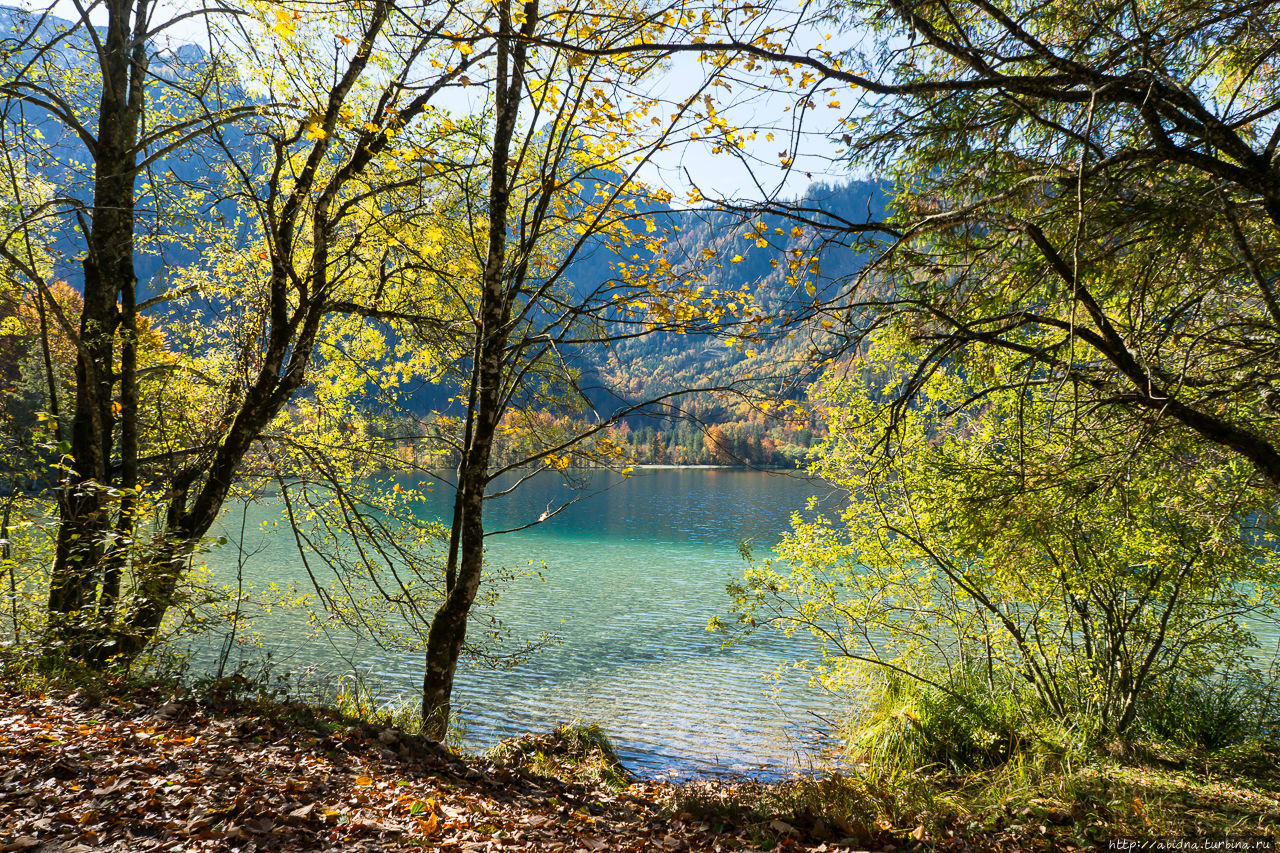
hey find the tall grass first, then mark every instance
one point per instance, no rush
(1227, 710)
(963, 725)
(959, 724)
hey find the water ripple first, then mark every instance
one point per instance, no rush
(632, 576)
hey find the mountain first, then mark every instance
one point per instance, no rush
(177, 76)
(750, 252)
(762, 247)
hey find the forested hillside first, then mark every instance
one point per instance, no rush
(740, 253)
(747, 254)
(752, 253)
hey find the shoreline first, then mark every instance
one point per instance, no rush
(100, 765)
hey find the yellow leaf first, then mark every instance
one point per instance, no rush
(363, 780)
(465, 48)
(737, 259)
(285, 23)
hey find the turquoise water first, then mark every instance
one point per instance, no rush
(631, 574)
(633, 571)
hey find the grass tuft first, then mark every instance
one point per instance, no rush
(577, 750)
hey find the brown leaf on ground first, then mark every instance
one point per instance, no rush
(157, 773)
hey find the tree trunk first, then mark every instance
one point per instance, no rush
(85, 527)
(448, 630)
(158, 577)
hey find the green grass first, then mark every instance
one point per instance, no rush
(1215, 714)
(1147, 795)
(977, 766)
(909, 728)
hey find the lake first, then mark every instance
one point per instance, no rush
(633, 572)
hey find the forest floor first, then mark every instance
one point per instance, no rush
(83, 771)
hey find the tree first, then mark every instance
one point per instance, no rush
(716, 443)
(1061, 448)
(296, 166)
(990, 552)
(1095, 187)
(569, 128)
(347, 232)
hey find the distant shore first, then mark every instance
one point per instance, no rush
(656, 467)
(639, 466)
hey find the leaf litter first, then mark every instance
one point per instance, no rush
(82, 772)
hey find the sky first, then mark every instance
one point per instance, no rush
(810, 137)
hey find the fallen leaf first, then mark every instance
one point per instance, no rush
(304, 813)
(22, 842)
(782, 827)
